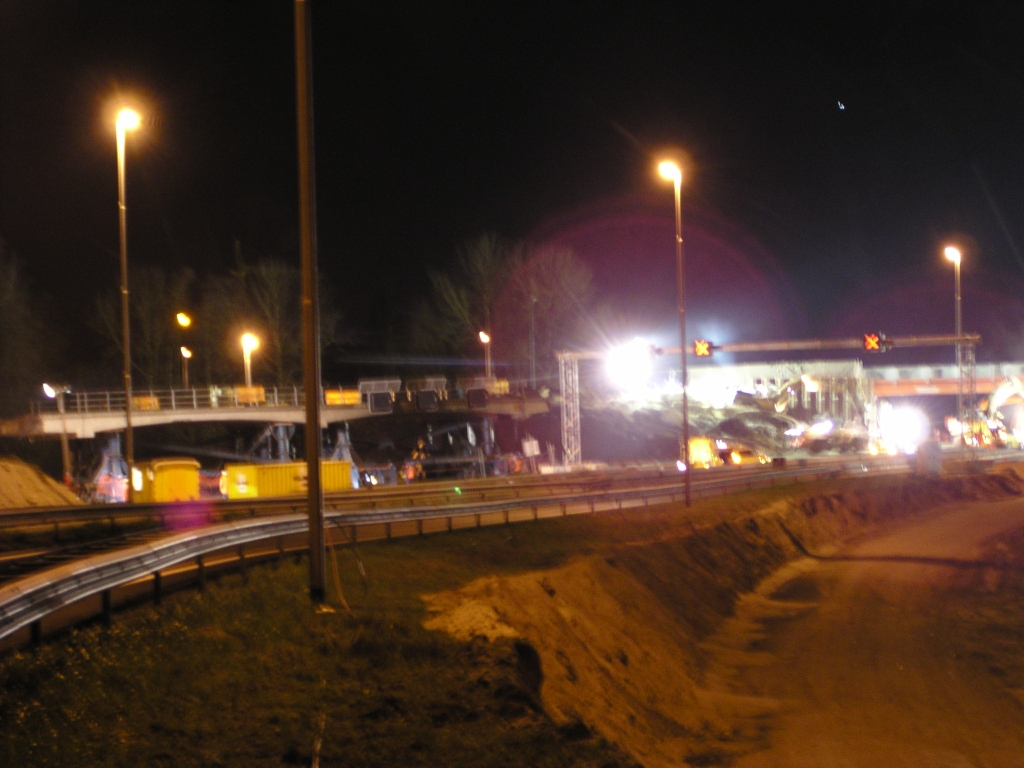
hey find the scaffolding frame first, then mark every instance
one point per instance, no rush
(569, 382)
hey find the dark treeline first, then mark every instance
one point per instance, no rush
(532, 301)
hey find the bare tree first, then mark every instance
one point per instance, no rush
(462, 303)
(531, 300)
(154, 299)
(544, 308)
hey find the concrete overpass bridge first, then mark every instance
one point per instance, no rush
(86, 414)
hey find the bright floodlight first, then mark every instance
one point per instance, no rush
(186, 353)
(904, 427)
(49, 391)
(183, 320)
(249, 343)
(128, 119)
(670, 171)
(953, 254)
(629, 366)
(484, 338)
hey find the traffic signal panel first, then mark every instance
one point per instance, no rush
(876, 342)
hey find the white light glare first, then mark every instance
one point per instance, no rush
(629, 366)
(905, 427)
(820, 429)
(49, 391)
(680, 465)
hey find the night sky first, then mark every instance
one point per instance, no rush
(832, 154)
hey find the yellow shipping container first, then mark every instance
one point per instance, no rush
(246, 481)
(281, 479)
(165, 480)
(336, 475)
(241, 481)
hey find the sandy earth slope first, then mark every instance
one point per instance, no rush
(852, 657)
(23, 485)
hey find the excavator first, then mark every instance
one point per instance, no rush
(991, 429)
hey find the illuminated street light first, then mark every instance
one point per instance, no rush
(127, 120)
(671, 171)
(58, 391)
(186, 355)
(183, 320)
(485, 339)
(953, 254)
(249, 344)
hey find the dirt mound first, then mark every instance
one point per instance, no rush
(619, 637)
(24, 485)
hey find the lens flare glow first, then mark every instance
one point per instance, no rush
(820, 429)
(629, 366)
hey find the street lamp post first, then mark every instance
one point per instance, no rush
(249, 344)
(184, 321)
(186, 355)
(485, 339)
(953, 254)
(672, 172)
(58, 391)
(127, 120)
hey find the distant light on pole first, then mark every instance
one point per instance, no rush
(953, 254)
(249, 344)
(186, 355)
(127, 120)
(671, 171)
(485, 339)
(58, 391)
(183, 319)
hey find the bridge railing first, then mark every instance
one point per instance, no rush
(176, 399)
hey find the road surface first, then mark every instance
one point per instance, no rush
(904, 650)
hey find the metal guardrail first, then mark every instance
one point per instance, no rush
(26, 602)
(112, 401)
(443, 491)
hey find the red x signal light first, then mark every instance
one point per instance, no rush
(872, 342)
(702, 348)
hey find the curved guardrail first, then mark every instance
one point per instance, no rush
(217, 510)
(27, 601)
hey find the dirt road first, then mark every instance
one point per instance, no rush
(904, 650)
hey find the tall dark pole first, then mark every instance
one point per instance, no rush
(310, 309)
(953, 254)
(123, 123)
(959, 330)
(533, 343)
(677, 183)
